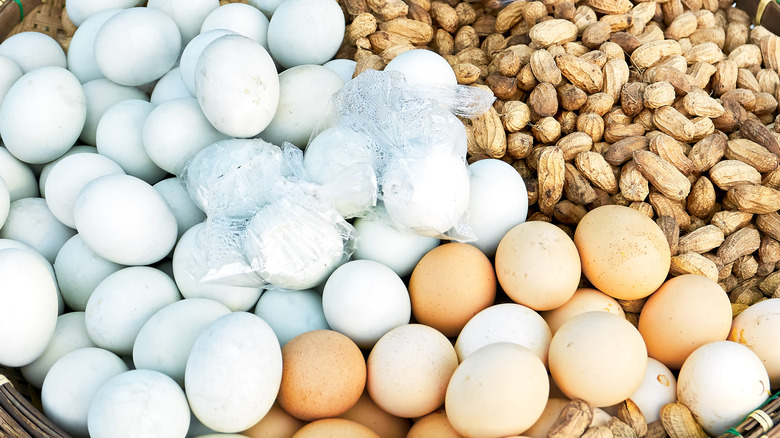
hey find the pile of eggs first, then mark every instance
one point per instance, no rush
(412, 336)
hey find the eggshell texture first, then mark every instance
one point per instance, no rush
(583, 300)
(81, 50)
(43, 114)
(124, 220)
(275, 424)
(164, 342)
(506, 322)
(123, 302)
(335, 428)
(304, 99)
(598, 357)
(721, 382)
(482, 395)
(434, 424)
(187, 14)
(305, 32)
(685, 313)
(70, 334)
(364, 300)
(119, 136)
(132, 61)
(79, 270)
(237, 85)
(367, 413)
(147, 402)
(28, 307)
(624, 253)
(658, 388)
(69, 176)
(551, 412)
(324, 375)
(491, 212)
(46, 237)
(408, 370)
(538, 265)
(233, 372)
(421, 66)
(291, 312)
(71, 385)
(189, 262)
(756, 327)
(32, 50)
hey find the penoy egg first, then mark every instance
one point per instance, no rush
(451, 284)
(685, 313)
(624, 253)
(537, 265)
(598, 357)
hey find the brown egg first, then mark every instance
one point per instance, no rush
(685, 313)
(367, 413)
(323, 375)
(551, 412)
(433, 425)
(449, 285)
(598, 357)
(537, 265)
(335, 428)
(409, 368)
(624, 253)
(584, 300)
(275, 424)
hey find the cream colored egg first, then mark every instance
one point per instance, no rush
(658, 388)
(408, 370)
(583, 300)
(551, 412)
(598, 357)
(508, 322)
(367, 413)
(538, 265)
(722, 382)
(482, 395)
(434, 424)
(233, 372)
(685, 313)
(139, 403)
(624, 253)
(27, 320)
(756, 327)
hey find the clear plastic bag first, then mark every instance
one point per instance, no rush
(265, 223)
(416, 147)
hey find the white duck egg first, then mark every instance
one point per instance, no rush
(81, 51)
(187, 14)
(31, 50)
(18, 176)
(70, 334)
(304, 101)
(421, 66)
(169, 87)
(658, 388)
(9, 74)
(237, 85)
(79, 11)
(139, 403)
(71, 384)
(175, 132)
(10, 243)
(122, 303)
(43, 114)
(27, 320)
(123, 219)
(102, 94)
(240, 18)
(43, 173)
(69, 176)
(234, 372)
(46, 237)
(189, 264)
(137, 61)
(187, 213)
(165, 340)
(191, 53)
(79, 270)
(345, 68)
(291, 312)
(305, 32)
(5, 202)
(119, 136)
(267, 7)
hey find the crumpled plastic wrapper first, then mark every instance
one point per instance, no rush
(264, 225)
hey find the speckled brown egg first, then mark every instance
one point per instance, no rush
(323, 375)
(449, 285)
